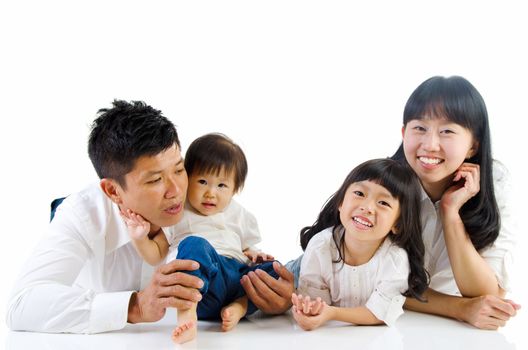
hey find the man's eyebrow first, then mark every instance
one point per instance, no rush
(155, 172)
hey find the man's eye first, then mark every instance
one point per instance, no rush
(154, 181)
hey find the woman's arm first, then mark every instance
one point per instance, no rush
(485, 312)
(473, 275)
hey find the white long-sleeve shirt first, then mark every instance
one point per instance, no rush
(81, 275)
(378, 284)
(499, 255)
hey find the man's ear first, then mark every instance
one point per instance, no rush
(112, 190)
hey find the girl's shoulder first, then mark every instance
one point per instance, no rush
(392, 255)
(321, 239)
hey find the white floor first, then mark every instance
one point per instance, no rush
(412, 331)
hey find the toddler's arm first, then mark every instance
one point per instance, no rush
(152, 249)
(257, 257)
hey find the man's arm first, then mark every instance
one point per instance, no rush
(485, 312)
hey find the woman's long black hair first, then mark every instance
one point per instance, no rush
(457, 100)
(400, 180)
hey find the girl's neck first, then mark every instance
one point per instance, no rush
(358, 252)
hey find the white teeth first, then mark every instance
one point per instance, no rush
(430, 160)
(362, 222)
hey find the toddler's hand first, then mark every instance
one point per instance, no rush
(258, 257)
(138, 228)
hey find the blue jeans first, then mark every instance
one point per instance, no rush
(221, 276)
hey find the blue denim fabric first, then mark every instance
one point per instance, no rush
(221, 276)
(294, 266)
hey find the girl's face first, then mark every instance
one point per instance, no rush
(435, 148)
(368, 212)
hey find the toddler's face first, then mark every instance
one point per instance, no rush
(210, 193)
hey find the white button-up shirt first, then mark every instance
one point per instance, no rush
(499, 255)
(81, 275)
(378, 284)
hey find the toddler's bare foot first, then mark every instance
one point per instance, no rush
(231, 314)
(184, 332)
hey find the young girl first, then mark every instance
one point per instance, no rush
(215, 231)
(466, 218)
(364, 253)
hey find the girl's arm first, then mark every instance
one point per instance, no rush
(311, 314)
(485, 312)
(152, 248)
(473, 275)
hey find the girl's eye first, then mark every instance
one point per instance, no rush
(386, 204)
(202, 182)
(358, 193)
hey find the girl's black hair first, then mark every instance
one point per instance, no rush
(457, 100)
(400, 180)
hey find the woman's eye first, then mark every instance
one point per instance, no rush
(419, 128)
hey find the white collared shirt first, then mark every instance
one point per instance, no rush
(230, 232)
(81, 275)
(499, 255)
(377, 284)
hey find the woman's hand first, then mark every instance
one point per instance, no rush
(466, 184)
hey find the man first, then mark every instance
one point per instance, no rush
(84, 276)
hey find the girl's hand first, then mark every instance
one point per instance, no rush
(257, 257)
(466, 184)
(307, 306)
(138, 228)
(309, 314)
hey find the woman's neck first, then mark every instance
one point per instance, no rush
(436, 190)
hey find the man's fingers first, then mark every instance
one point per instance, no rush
(179, 265)
(283, 272)
(250, 290)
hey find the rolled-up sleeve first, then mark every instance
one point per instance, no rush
(386, 302)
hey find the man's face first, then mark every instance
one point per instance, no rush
(156, 188)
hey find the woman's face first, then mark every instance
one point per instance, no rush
(435, 148)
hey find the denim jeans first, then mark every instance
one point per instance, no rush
(221, 276)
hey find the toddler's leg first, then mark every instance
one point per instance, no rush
(232, 313)
(187, 327)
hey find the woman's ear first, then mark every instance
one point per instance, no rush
(473, 150)
(112, 190)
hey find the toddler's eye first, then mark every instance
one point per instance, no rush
(202, 182)
(222, 185)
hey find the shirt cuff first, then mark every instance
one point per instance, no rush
(385, 308)
(109, 311)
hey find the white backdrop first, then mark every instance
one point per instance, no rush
(309, 89)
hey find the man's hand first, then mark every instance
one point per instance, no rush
(488, 312)
(257, 257)
(169, 287)
(268, 294)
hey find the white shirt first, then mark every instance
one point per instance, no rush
(81, 275)
(377, 284)
(229, 232)
(499, 255)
